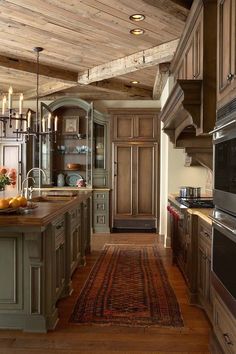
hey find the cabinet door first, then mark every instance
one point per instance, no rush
(198, 49)
(145, 127)
(123, 127)
(189, 61)
(60, 269)
(144, 184)
(225, 46)
(201, 273)
(123, 179)
(134, 185)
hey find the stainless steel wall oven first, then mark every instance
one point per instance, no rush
(224, 192)
(224, 199)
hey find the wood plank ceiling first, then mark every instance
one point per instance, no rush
(88, 48)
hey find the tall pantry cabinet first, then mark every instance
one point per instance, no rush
(134, 169)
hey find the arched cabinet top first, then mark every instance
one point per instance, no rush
(70, 101)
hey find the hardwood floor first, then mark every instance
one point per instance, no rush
(71, 338)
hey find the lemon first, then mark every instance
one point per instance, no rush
(23, 201)
(14, 203)
(4, 204)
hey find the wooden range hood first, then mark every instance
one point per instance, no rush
(182, 116)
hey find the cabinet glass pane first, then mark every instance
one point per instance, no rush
(99, 151)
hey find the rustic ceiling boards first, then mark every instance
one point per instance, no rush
(80, 35)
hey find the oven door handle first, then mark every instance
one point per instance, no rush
(222, 127)
(222, 225)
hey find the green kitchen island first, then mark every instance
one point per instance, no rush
(39, 251)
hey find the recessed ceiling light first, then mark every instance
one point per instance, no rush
(134, 82)
(137, 31)
(137, 17)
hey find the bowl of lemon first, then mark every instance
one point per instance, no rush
(10, 205)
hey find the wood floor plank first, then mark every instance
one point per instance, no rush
(70, 338)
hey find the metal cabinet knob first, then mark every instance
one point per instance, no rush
(230, 77)
(227, 339)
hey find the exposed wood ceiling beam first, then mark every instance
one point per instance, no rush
(47, 89)
(160, 80)
(140, 60)
(44, 70)
(116, 86)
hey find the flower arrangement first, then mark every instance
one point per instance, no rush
(7, 177)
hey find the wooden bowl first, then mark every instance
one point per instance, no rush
(73, 166)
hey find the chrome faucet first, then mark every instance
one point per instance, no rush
(36, 169)
(28, 191)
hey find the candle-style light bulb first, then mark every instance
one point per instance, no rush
(10, 92)
(21, 103)
(29, 119)
(17, 123)
(4, 101)
(56, 123)
(49, 121)
(43, 125)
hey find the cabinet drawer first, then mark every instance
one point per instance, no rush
(224, 326)
(100, 196)
(205, 237)
(100, 220)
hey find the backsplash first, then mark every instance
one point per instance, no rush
(209, 183)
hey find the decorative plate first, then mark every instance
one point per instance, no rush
(71, 180)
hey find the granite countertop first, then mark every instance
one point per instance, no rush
(203, 213)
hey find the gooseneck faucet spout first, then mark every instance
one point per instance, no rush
(39, 170)
(28, 191)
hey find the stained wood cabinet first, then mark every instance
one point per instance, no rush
(134, 181)
(190, 64)
(130, 125)
(226, 66)
(224, 326)
(204, 267)
(134, 148)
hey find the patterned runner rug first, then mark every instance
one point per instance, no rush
(128, 285)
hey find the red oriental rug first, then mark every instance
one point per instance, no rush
(128, 286)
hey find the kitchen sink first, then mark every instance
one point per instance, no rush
(50, 199)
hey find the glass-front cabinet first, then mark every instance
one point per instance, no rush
(78, 155)
(100, 151)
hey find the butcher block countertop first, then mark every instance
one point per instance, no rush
(45, 212)
(203, 213)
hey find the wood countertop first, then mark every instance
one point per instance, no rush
(45, 213)
(203, 213)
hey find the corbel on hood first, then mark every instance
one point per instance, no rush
(182, 116)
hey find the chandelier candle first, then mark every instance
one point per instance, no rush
(4, 101)
(10, 92)
(21, 103)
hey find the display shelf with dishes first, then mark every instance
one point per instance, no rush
(82, 138)
(73, 179)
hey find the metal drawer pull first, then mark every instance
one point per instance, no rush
(227, 339)
(223, 126)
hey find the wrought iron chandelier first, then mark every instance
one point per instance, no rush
(43, 124)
